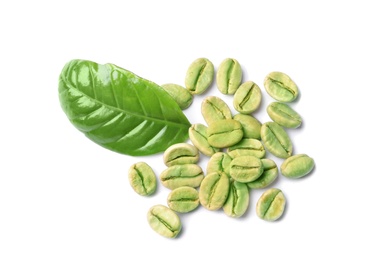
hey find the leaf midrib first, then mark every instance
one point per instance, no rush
(165, 122)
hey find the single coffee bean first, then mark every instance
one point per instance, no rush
(183, 199)
(213, 109)
(247, 98)
(297, 166)
(219, 162)
(284, 115)
(224, 133)
(276, 140)
(181, 153)
(246, 168)
(247, 146)
(142, 179)
(269, 175)
(181, 95)
(182, 175)
(198, 137)
(214, 190)
(250, 125)
(164, 221)
(238, 200)
(229, 76)
(271, 205)
(280, 86)
(199, 76)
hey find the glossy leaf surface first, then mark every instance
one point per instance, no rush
(120, 110)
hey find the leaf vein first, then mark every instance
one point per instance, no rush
(92, 80)
(113, 91)
(139, 99)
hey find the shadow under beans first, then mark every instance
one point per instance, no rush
(310, 173)
(296, 100)
(181, 233)
(301, 126)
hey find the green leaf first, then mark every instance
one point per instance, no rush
(119, 110)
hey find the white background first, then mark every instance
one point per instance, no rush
(64, 197)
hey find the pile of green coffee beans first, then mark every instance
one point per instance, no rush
(235, 144)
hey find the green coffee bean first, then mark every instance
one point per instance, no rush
(247, 146)
(219, 162)
(229, 76)
(214, 190)
(238, 200)
(224, 133)
(246, 168)
(142, 179)
(284, 115)
(297, 166)
(247, 98)
(276, 140)
(199, 76)
(182, 175)
(250, 125)
(269, 175)
(271, 205)
(181, 153)
(198, 137)
(183, 199)
(280, 86)
(181, 95)
(213, 109)
(164, 221)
